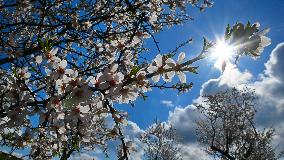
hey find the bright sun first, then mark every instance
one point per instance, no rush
(222, 53)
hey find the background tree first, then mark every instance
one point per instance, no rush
(161, 142)
(65, 64)
(228, 130)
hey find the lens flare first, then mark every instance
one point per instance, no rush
(222, 53)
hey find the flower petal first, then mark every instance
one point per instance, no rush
(159, 60)
(69, 71)
(152, 69)
(38, 59)
(167, 77)
(265, 41)
(84, 109)
(181, 57)
(156, 78)
(63, 63)
(114, 68)
(170, 63)
(27, 75)
(54, 51)
(182, 77)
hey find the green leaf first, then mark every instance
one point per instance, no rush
(228, 32)
(46, 45)
(247, 37)
(41, 44)
(134, 70)
(75, 144)
(144, 96)
(169, 56)
(15, 72)
(206, 44)
(248, 24)
(194, 70)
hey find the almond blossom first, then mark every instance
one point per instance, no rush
(80, 95)
(24, 73)
(60, 69)
(127, 94)
(38, 59)
(176, 66)
(158, 69)
(67, 64)
(51, 55)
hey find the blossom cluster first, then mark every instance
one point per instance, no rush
(64, 64)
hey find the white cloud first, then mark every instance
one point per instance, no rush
(271, 85)
(269, 88)
(83, 156)
(183, 120)
(132, 132)
(168, 103)
(233, 77)
(194, 151)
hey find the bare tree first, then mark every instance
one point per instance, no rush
(161, 142)
(228, 129)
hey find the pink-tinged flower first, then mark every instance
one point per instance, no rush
(60, 67)
(263, 42)
(55, 103)
(112, 76)
(60, 71)
(115, 79)
(78, 112)
(159, 69)
(142, 81)
(127, 94)
(181, 74)
(88, 24)
(61, 130)
(80, 95)
(136, 40)
(24, 73)
(51, 55)
(60, 86)
(153, 18)
(127, 60)
(99, 82)
(38, 59)
(175, 67)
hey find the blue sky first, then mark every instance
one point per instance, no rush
(210, 24)
(258, 74)
(265, 75)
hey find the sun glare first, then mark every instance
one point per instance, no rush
(222, 53)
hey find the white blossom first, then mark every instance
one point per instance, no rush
(38, 59)
(159, 69)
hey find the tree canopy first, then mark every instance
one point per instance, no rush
(65, 64)
(228, 130)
